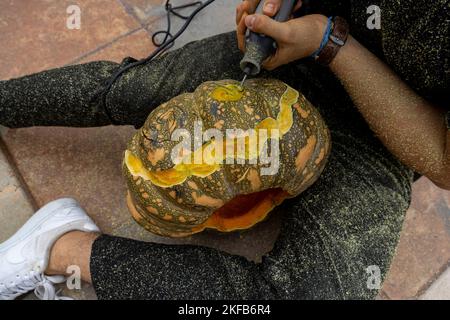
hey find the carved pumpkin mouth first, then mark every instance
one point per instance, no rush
(240, 213)
(244, 211)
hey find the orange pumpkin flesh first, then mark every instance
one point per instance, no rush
(241, 213)
(244, 211)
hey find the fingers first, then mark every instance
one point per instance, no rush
(271, 7)
(242, 11)
(298, 5)
(252, 5)
(272, 62)
(263, 24)
(241, 30)
(246, 6)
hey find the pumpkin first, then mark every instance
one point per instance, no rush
(229, 187)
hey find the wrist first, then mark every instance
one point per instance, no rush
(320, 28)
(335, 37)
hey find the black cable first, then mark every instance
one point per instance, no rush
(171, 10)
(164, 45)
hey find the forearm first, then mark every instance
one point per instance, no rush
(411, 128)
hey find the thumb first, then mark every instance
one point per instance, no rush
(263, 24)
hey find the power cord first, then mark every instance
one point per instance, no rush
(162, 46)
(171, 10)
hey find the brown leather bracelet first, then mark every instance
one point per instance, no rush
(337, 39)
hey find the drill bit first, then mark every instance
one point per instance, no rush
(247, 71)
(243, 81)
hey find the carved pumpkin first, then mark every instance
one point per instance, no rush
(173, 194)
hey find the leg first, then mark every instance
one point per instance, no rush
(59, 97)
(73, 248)
(25, 256)
(68, 96)
(349, 220)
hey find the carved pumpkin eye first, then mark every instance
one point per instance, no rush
(228, 92)
(183, 198)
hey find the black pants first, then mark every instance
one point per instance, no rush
(347, 222)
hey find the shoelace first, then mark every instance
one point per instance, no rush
(43, 286)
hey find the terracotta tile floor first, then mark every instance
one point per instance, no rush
(86, 166)
(34, 35)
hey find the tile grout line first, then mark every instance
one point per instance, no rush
(103, 46)
(432, 280)
(18, 175)
(128, 11)
(145, 25)
(383, 295)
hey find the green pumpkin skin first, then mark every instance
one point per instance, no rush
(180, 210)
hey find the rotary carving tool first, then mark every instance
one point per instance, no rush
(259, 46)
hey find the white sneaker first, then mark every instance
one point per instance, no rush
(24, 257)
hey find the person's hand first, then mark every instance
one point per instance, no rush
(296, 38)
(248, 7)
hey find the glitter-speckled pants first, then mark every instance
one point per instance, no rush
(349, 220)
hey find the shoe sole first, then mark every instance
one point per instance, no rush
(37, 220)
